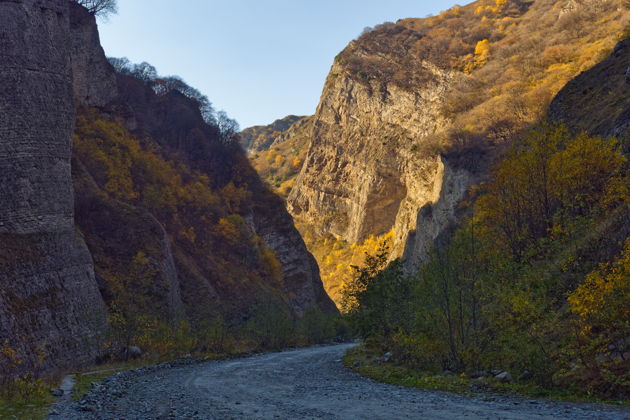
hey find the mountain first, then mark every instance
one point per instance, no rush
(277, 151)
(532, 285)
(413, 113)
(151, 219)
(262, 137)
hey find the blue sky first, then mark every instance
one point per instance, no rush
(259, 60)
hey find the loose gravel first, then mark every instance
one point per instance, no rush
(308, 383)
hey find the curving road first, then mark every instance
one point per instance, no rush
(298, 384)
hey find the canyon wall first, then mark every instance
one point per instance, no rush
(51, 311)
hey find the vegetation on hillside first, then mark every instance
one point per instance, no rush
(281, 160)
(132, 182)
(510, 55)
(535, 282)
(337, 258)
(102, 8)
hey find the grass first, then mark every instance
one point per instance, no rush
(363, 361)
(25, 400)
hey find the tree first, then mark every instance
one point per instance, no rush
(229, 128)
(99, 7)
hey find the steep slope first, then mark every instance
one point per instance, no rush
(227, 236)
(262, 137)
(598, 100)
(408, 119)
(215, 239)
(279, 150)
(50, 307)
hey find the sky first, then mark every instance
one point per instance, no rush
(259, 60)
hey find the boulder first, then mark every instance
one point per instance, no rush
(386, 357)
(504, 377)
(134, 352)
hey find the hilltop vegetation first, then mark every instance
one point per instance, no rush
(277, 151)
(510, 55)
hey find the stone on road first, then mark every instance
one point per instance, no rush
(298, 384)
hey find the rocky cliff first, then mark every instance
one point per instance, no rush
(262, 137)
(158, 216)
(413, 112)
(372, 163)
(50, 306)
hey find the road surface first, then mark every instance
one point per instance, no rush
(307, 383)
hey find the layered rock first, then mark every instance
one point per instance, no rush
(94, 79)
(50, 307)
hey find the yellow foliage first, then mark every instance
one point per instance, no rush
(482, 52)
(336, 258)
(228, 230)
(279, 159)
(602, 302)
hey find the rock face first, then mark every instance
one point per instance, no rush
(372, 165)
(404, 98)
(437, 216)
(94, 78)
(300, 272)
(49, 301)
(262, 137)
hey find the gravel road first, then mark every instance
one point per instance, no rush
(298, 384)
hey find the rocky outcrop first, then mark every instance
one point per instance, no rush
(404, 97)
(300, 273)
(50, 307)
(94, 78)
(373, 163)
(262, 137)
(440, 214)
(598, 100)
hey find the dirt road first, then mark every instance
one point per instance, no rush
(299, 384)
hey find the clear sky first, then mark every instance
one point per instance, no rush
(259, 60)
